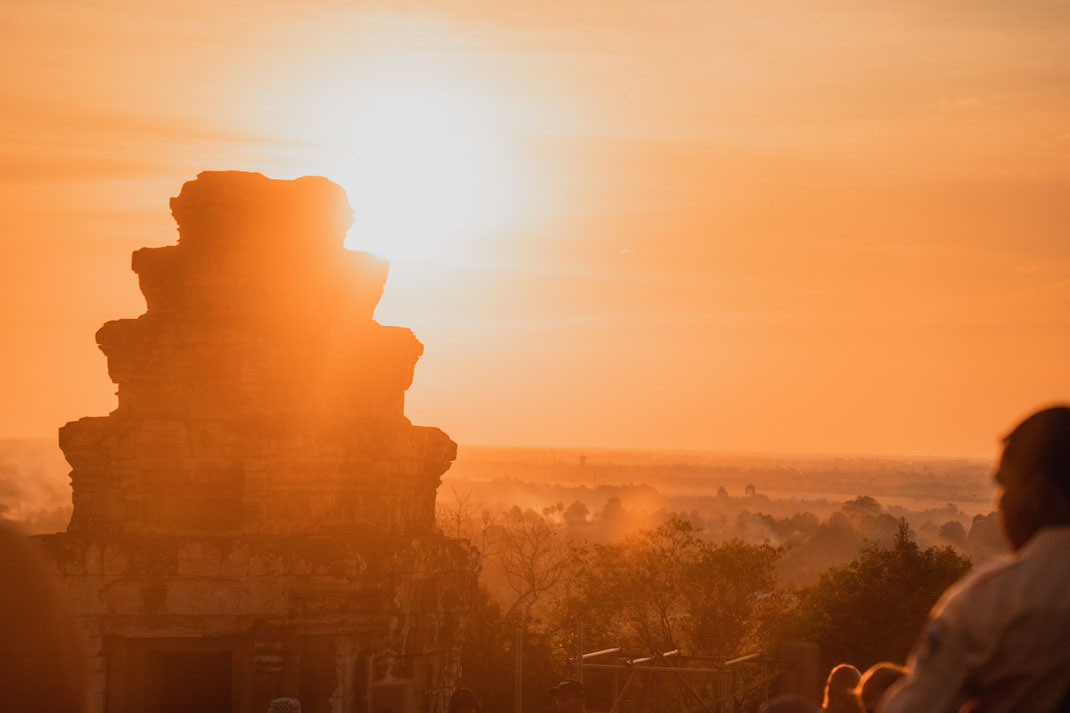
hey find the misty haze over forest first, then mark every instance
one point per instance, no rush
(821, 508)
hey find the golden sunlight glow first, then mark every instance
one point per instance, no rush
(422, 154)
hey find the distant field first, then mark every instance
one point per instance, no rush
(915, 483)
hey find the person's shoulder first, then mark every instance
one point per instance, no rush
(981, 584)
(1009, 581)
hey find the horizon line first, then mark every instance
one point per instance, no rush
(697, 450)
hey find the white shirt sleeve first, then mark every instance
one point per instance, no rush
(939, 674)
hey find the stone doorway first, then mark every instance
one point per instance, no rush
(182, 681)
(177, 675)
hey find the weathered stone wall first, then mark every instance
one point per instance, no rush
(258, 489)
(388, 607)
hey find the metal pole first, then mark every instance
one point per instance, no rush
(579, 653)
(623, 692)
(647, 659)
(518, 683)
(765, 685)
(603, 652)
(741, 659)
(626, 667)
(694, 692)
(642, 695)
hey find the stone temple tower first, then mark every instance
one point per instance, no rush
(256, 517)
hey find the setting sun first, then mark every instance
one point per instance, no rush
(420, 151)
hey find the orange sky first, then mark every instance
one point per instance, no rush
(777, 226)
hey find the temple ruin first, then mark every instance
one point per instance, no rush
(256, 517)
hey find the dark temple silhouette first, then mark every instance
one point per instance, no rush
(256, 517)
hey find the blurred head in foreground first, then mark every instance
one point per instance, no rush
(569, 697)
(789, 704)
(839, 690)
(464, 700)
(875, 681)
(1034, 475)
(284, 705)
(42, 665)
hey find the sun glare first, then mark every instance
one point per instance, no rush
(422, 155)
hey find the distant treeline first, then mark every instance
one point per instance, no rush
(957, 480)
(816, 534)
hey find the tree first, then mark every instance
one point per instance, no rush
(533, 560)
(953, 532)
(452, 519)
(668, 588)
(985, 539)
(488, 656)
(629, 594)
(731, 591)
(533, 556)
(861, 507)
(872, 609)
(576, 514)
(661, 589)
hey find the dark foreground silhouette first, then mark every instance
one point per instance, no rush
(42, 662)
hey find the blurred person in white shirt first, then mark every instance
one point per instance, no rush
(999, 640)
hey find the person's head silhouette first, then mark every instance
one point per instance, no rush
(569, 697)
(464, 700)
(284, 705)
(875, 681)
(1034, 474)
(839, 690)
